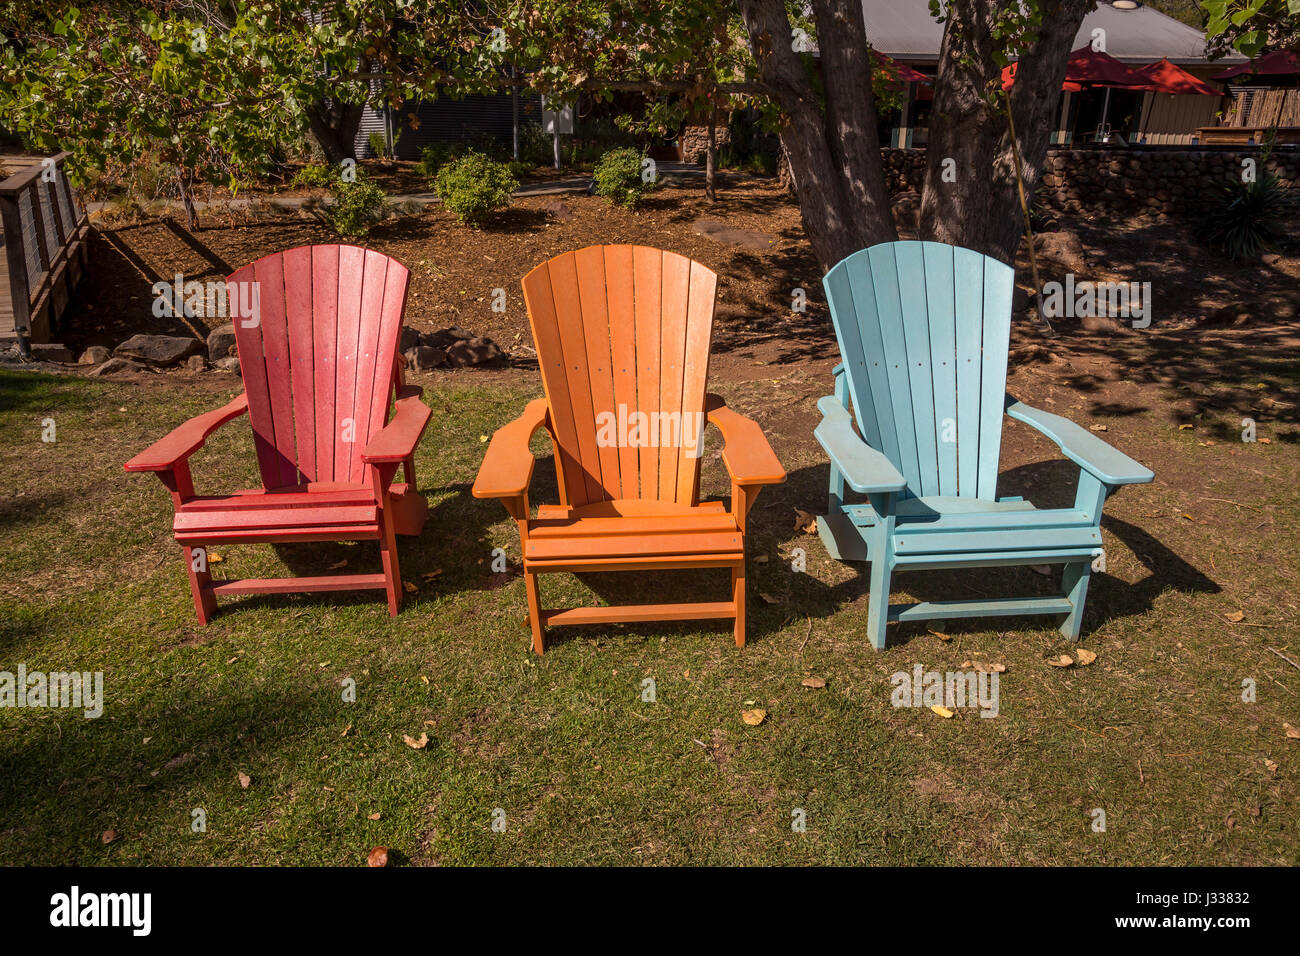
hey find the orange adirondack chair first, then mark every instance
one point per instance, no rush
(317, 330)
(622, 337)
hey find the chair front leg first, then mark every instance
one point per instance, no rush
(180, 483)
(881, 555)
(381, 477)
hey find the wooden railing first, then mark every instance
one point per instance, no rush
(45, 232)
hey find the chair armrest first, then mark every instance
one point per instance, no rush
(396, 441)
(508, 465)
(1081, 446)
(866, 470)
(184, 440)
(745, 451)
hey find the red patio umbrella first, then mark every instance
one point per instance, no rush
(1087, 67)
(905, 73)
(1165, 77)
(1270, 64)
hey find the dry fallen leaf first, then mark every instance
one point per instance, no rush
(1183, 428)
(410, 588)
(760, 559)
(1085, 656)
(768, 599)
(1065, 660)
(940, 635)
(107, 837)
(244, 780)
(943, 712)
(214, 558)
(378, 856)
(338, 564)
(753, 717)
(1291, 732)
(416, 743)
(430, 575)
(1235, 616)
(1044, 569)
(345, 730)
(814, 682)
(374, 816)
(1098, 428)
(1271, 765)
(804, 521)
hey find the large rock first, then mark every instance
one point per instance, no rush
(51, 352)
(228, 364)
(480, 351)
(221, 342)
(424, 357)
(95, 355)
(159, 351)
(734, 236)
(409, 339)
(444, 338)
(115, 365)
(1063, 248)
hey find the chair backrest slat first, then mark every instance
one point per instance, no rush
(623, 331)
(317, 356)
(923, 329)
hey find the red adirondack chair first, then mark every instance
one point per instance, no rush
(623, 332)
(317, 331)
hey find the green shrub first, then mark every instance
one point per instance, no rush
(315, 176)
(357, 206)
(475, 186)
(618, 178)
(536, 147)
(378, 145)
(1247, 219)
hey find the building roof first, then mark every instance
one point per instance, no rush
(904, 30)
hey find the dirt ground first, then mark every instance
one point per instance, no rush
(1189, 353)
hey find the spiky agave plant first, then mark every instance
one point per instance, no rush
(1247, 219)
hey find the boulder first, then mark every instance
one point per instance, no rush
(95, 355)
(51, 352)
(221, 342)
(116, 364)
(558, 209)
(159, 351)
(408, 340)
(1064, 248)
(424, 357)
(733, 236)
(444, 338)
(478, 351)
(228, 364)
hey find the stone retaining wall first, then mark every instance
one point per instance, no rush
(1167, 181)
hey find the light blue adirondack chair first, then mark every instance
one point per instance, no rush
(923, 330)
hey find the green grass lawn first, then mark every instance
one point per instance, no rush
(563, 747)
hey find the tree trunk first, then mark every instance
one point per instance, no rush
(334, 126)
(970, 196)
(834, 152)
(711, 157)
